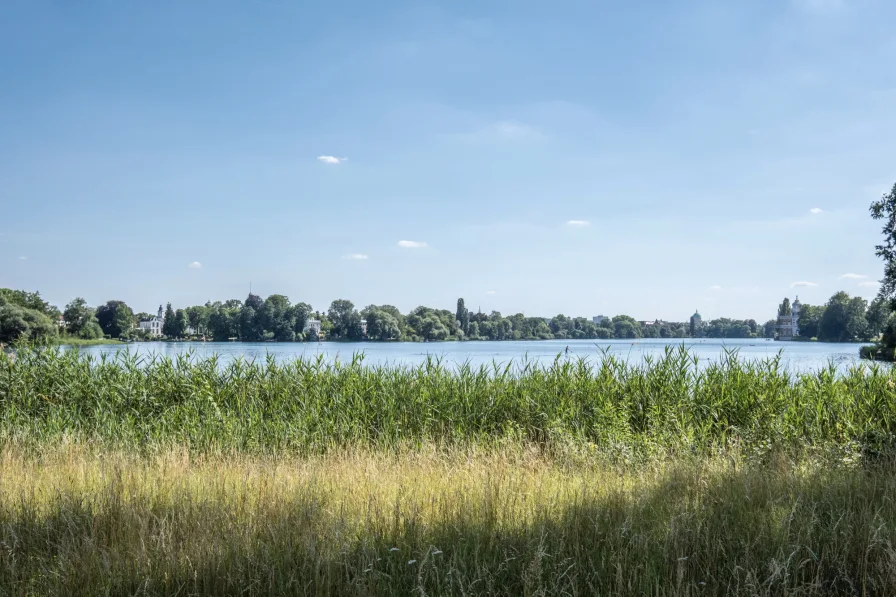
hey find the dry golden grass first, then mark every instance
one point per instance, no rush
(81, 521)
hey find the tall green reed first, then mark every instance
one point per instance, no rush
(667, 403)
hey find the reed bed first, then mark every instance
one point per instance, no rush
(667, 405)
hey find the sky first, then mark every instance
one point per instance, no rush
(579, 157)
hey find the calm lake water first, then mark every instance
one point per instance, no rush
(796, 356)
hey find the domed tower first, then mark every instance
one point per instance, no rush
(795, 316)
(696, 324)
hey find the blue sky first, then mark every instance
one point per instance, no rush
(646, 158)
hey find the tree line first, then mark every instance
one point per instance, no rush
(25, 315)
(841, 319)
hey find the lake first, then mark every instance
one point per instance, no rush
(796, 356)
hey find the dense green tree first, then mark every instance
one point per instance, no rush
(224, 320)
(30, 300)
(250, 331)
(625, 326)
(885, 209)
(843, 319)
(381, 325)
(254, 301)
(176, 325)
(346, 320)
(115, 318)
(784, 308)
(769, 328)
(462, 315)
(810, 320)
(277, 319)
(197, 318)
(301, 313)
(727, 328)
(169, 326)
(78, 317)
(432, 328)
(876, 318)
(18, 323)
(251, 325)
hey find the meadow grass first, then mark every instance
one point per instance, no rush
(430, 522)
(191, 477)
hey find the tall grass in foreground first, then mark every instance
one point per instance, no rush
(432, 522)
(664, 405)
(189, 477)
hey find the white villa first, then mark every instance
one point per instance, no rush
(154, 325)
(789, 325)
(313, 326)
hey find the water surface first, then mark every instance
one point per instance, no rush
(795, 356)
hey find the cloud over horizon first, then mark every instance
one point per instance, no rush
(803, 284)
(330, 159)
(816, 210)
(578, 223)
(195, 265)
(412, 244)
(356, 256)
(854, 276)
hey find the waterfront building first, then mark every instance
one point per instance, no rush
(788, 325)
(155, 324)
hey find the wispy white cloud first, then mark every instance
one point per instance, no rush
(820, 7)
(510, 129)
(331, 159)
(853, 276)
(816, 210)
(803, 284)
(715, 287)
(869, 283)
(195, 265)
(491, 292)
(411, 244)
(23, 258)
(357, 256)
(578, 223)
(502, 130)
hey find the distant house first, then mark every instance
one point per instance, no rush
(788, 324)
(364, 326)
(599, 319)
(312, 327)
(154, 325)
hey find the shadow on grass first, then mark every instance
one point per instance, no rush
(737, 532)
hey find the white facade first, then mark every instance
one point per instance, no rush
(789, 325)
(312, 326)
(155, 324)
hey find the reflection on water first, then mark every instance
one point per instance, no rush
(795, 356)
